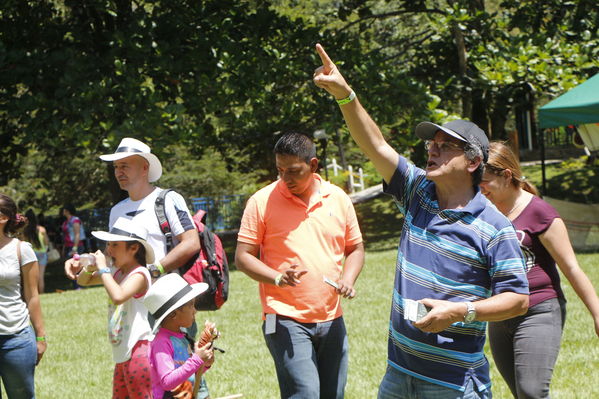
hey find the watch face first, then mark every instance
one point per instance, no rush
(470, 316)
(154, 272)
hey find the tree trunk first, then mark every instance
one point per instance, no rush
(462, 71)
(499, 115)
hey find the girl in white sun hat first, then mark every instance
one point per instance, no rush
(176, 362)
(126, 283)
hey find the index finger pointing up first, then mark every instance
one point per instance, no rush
(324, 57)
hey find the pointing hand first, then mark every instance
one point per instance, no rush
(328, 76)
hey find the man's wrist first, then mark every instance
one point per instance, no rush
(470, 314)
(348, 99)
(156, 269)
(278, 279)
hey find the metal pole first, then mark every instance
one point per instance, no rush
(544, 180)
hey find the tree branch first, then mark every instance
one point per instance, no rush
(392, 14)
(424, 32)
(408, 45)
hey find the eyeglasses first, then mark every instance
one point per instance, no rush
(442, 146)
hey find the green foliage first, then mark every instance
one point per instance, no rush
(224, 76)
(209, 175)
(483, 58)
(46, 183)
(220, 75)
(340, 180)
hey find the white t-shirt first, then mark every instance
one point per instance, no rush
(143, 213)
(128, 322)
(14, 315)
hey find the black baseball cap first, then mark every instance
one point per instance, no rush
(460, 129)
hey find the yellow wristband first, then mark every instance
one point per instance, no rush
(159, 266)
(347, 99)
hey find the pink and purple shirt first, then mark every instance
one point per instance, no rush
(173, 363)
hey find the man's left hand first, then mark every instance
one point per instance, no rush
(346, 288)
(442, 315)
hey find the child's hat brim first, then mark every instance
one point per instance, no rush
(169, 293)
(112, 236)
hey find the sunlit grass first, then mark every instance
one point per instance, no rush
(78, 363)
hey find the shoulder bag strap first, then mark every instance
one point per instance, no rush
(19, 253)
(21, 271)
(165, 227)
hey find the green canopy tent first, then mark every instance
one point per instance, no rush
(576, 107)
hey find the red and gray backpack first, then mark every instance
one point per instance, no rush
(210, 265)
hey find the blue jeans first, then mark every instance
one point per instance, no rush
(310, 358)
(398, 385)
(18, 354)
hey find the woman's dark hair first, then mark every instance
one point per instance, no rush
(31, 229)
(9, 209)
(296, 144)
(71, 208)
(140, 254)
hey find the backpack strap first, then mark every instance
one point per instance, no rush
(207, 241)
(165, 227)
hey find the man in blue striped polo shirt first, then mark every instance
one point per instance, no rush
(457, 254)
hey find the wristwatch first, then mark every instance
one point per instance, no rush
(470, 315)
(155, 272)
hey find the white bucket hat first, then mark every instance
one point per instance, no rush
(129, 147)
(168, 293)
(126, 230)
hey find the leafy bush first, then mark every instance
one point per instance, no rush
(208, 175)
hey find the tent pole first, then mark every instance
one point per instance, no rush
(544, 180)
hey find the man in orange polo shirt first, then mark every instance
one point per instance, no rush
(294, 234)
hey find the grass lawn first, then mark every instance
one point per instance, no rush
(78, 363)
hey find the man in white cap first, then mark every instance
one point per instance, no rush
(135, 168)
(458, 258)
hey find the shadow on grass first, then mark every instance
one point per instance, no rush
(571, 180)
(380, 222)
(575, 185)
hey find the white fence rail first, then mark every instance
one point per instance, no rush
(356, 179)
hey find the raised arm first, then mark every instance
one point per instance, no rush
(362, 128)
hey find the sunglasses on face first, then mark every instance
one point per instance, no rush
(442, 146)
